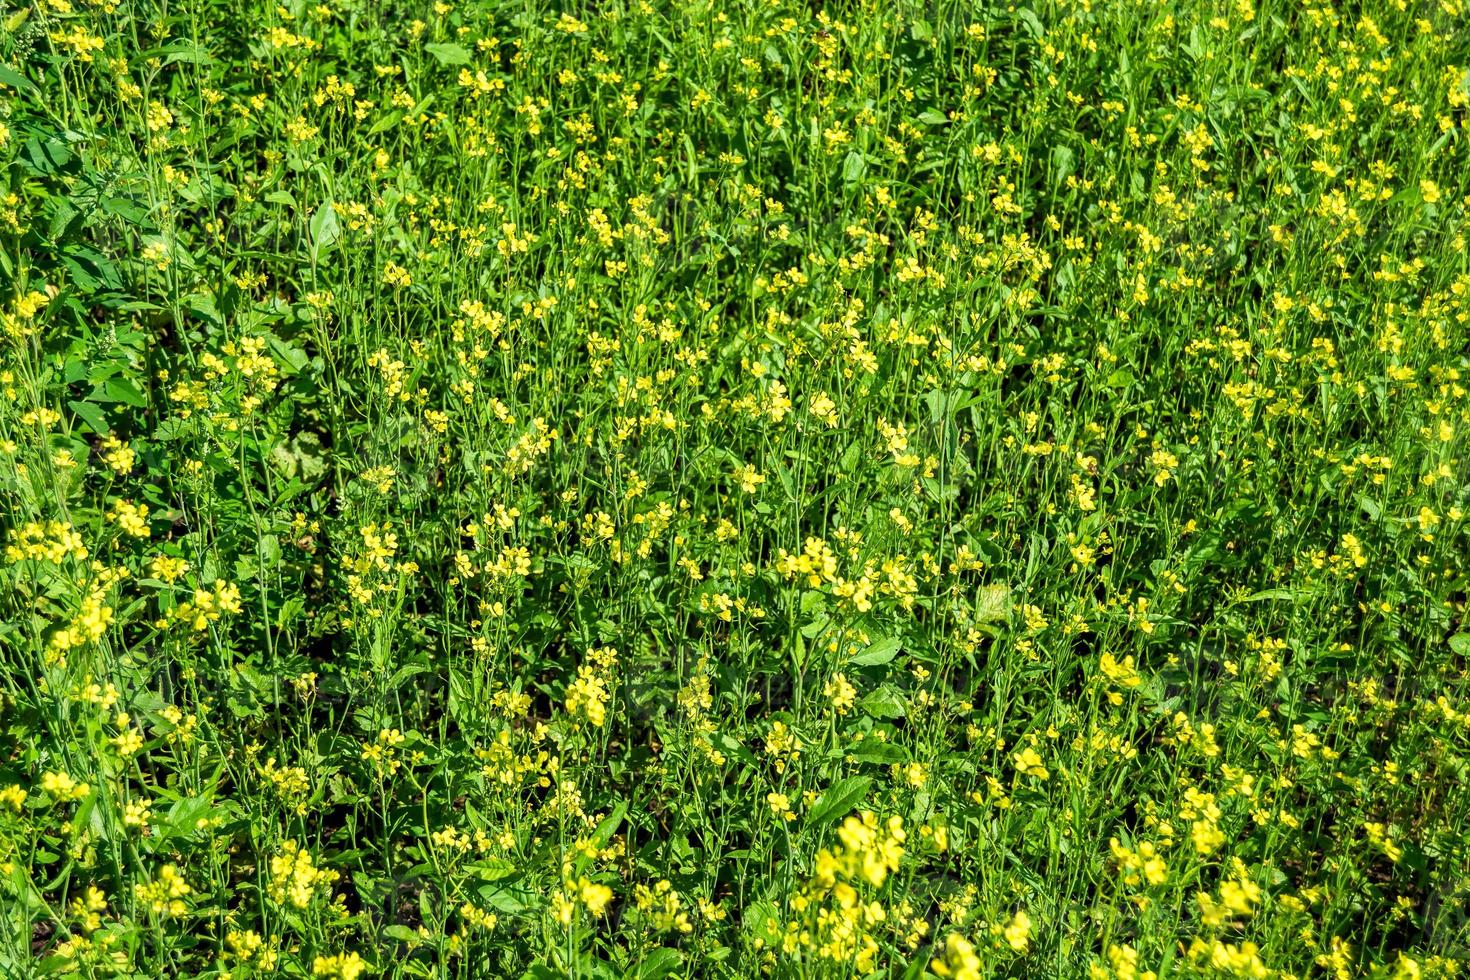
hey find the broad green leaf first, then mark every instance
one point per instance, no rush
(880, 652)
(15, 79)
(659, 964)
(324, 230)
(449, 54)
(839, 799)
(884, 703)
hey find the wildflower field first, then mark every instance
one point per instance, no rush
(734, 488)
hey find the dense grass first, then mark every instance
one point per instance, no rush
(734, 488)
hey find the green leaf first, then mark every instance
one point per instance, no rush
(1460, 643)
(183, 817)
(761, 921)
(993, 603)
(294, 358)
(492, 869)
(877, 653)
(386, 123)
(120, 390)
(449, 54)
(89, 268)
(18, 81)
(90, 414)
(324, 230)
(1061, 163)
(839, 800)
(511, 901)
(734, 749)
(1277, 595)
(885, 703)
(1032, 22)
(407, 671)
(874, 750)
(610, 824)
(659, 964)
(189, 52)
(45, 158)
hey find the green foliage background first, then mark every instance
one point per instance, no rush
(733, 488)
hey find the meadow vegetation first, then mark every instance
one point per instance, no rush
(734, 488)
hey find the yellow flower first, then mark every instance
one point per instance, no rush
(478, 917)
(62, 788)
(1017, 932)
(587, 696)
(295, 878)
(1028, 763)
(131, 517)
(780, 805)
(840, 693)
(959, 960)
(1120, 672)
(595, 897)
(118, 455)
(165, 894)
(748, 477)
(343, 966)
(592, 896)
(824, 409)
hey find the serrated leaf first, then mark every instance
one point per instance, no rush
(840, 799)
(885, 703)
(659, 964)
(761, 921)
